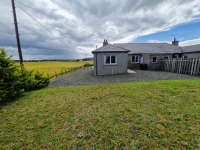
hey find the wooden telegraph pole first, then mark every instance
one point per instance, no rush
(17, 33)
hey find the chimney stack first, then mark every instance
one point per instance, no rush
(175, 42)
(105, 42)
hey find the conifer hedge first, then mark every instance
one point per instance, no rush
(14, 80)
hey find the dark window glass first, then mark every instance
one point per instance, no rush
(154, 59)
(135, 59)
(107, 59)
(165, 58)
(113, 59)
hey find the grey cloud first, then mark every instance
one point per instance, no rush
(86, 23)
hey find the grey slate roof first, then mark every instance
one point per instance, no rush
(191, 48)
(110, 48)
(150, 48)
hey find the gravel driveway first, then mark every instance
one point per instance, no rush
(86, 77)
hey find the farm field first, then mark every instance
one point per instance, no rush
(51, 66)
(139, 115)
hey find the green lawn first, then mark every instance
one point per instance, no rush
(140, 115)
(51, 66)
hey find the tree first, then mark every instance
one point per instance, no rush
(14, 80)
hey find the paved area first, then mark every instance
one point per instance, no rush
(86, 77)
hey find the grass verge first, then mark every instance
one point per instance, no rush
(140, 115)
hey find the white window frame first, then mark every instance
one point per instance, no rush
(135, 59)
(105, 56)
(156, 59)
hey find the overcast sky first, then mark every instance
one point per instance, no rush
(76, 27)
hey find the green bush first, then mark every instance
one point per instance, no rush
(14, 80)
(33, 81)
(88, 65)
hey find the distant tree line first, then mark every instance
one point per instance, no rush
(65, 60)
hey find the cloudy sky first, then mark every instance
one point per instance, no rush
(70, 29)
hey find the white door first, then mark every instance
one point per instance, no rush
(141, 60)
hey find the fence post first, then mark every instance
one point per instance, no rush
(169, 65)
(190, 66)
(56, 74)
(192, 63)
(187, 65)
(184, 66)
(165, 65)
(173, 65)
(180, 65)
(195, 66)
(198, 67)
(177, 66)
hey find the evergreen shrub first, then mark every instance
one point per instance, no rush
(15, 80)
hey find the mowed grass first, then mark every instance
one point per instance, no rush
(140, 115)
(51, 67)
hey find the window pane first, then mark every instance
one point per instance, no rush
(165, 58)
(113, 60)
(154, 59)
(107, 59)
(136, 58)
(133, 59)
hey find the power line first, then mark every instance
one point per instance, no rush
(34, 19)
(29, 7)
(50, 16)
(48, 30)
(60, 21)
(37, 10)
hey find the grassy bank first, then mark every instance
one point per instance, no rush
(142, 115)
(51, 67)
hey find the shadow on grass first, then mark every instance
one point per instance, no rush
(6, 102)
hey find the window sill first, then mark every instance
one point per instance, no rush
(135, 63)
(110, 64)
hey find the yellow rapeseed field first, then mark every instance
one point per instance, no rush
(50, 67)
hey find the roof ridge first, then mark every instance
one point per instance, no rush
(143, 43)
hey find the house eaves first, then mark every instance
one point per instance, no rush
(110, 48)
